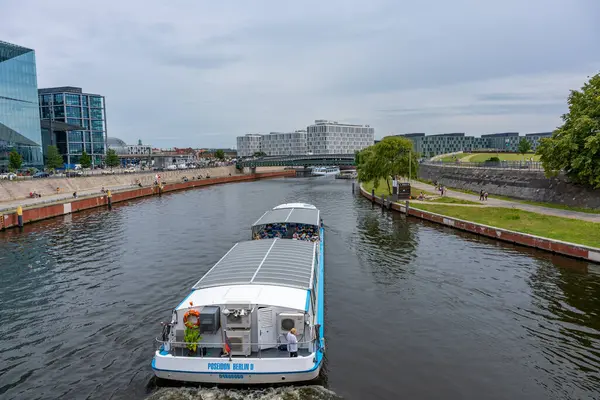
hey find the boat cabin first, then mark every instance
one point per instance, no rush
(251, 298)
(289, 221)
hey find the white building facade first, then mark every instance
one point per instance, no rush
(248, 145)
(324, 137)
(284, 144)
(331, 137)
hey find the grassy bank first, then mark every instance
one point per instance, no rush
(530, 202)
(565, 229)
(414, 192)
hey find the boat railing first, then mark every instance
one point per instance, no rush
(169, 346)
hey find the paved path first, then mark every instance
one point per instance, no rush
(55, 198)
(511, 204)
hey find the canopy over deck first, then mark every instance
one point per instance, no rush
(307, 216)
(277, 262)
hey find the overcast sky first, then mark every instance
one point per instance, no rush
(200, 73)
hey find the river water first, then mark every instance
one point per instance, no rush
(413, 310)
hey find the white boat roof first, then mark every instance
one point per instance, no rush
(290, 215)
(276, 262)
(295, 205)
(247, 294)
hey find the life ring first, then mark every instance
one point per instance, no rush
(190, 324)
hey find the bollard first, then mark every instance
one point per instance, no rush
(109, 199)
(352, 187)
(372, 195)
(1, 222)
(20, 216)
(407, 203)
(389, 203)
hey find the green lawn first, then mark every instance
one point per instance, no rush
(533, 203)
(566, 229)
(481, 157)
(454, 157)
(452, 200)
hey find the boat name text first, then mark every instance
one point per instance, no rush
(231, 367)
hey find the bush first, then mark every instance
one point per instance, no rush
(493, 159)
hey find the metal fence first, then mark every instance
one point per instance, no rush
(522, 165)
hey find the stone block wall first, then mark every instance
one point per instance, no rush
(521, 184)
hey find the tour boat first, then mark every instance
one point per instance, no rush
(232, 327)
(325, 171)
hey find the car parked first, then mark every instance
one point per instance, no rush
(10, 176)
(41, 174)
(73, 174)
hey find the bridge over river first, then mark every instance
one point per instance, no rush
(413, 310)
(309, 160)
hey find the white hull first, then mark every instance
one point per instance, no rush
(221, 370)
(328, 172)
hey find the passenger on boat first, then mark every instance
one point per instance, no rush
(292, 343)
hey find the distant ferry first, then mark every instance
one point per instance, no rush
(232, 327)
(325, 171)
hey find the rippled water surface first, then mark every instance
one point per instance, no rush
(413, 310)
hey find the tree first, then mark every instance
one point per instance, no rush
(53, 158)
(524, 146)
(15, 161)
(85, 160)
(392, 156)
(112, 159)
(575, 145)
(220, 154)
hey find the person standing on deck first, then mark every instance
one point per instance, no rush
(292, 342)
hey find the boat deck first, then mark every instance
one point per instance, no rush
(268, 353)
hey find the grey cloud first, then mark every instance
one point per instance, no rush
(478, 109)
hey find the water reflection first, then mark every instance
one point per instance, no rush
(387, 244)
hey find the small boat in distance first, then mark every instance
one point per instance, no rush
(347, 174)
(325, 171)
(232, 328)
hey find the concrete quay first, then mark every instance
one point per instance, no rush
(62, 204)
(552, 245)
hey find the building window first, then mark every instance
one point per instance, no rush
(98, 137)
(98, 148)
(86, 123)
(72, 99)
(97, 126)
(45, 112)
(59, 112)
(74, 121)
(74, 112)
(58, 99)
(75, 148)
(88, 148)
(96, 101)
(75, 136)
(46, 99)
(96, 113)
(86, 112)
(84, 100)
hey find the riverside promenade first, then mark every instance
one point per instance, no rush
(493, 202)
(17, 212)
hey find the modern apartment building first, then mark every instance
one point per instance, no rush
(284, 144)
(331, 137)
(534, 138)
(432, 145)
(248, 145)
(85, 113)
(19, 111)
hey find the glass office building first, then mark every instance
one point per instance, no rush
(19, 108)
(85, 113)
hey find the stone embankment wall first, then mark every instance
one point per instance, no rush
(16, 190)
(10, 218)
(521, 184)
